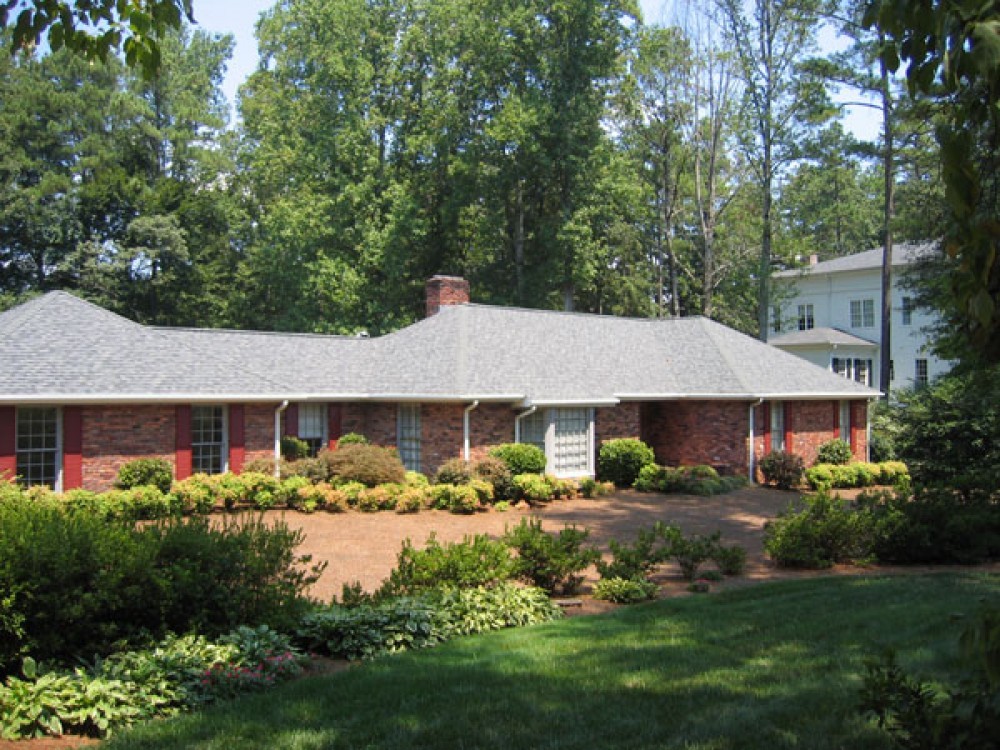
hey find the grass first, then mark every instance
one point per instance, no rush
(771, 666)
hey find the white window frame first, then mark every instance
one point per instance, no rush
(862, 313)
(197, 462)
(853, 368)
(777, 425)
(906, 311)
(845, 421)
(807, 317)
(546, 422)
(57, 450)
(317, 440)
(408, 436)
(920, 373)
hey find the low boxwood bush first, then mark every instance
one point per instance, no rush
(691, 480)
(732, 561)
(625, 590)
(293, 448)
(520, 458)
(371, 465)
(533, 488)
(553, 562)
(156, 472)
(352, 438)
(591, 488)
(784, 470)
(454, 471)
(620, 460)
(846, 476)
(637, 560)
(823, 532)
(455, 498)
(474, 561)
(495, 471)
(836, 451)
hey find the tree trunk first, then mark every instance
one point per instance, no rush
(885, 364)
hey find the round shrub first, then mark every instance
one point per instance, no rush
(625, 590)
(294, 448)
(495, 471)
(834, 451)
(782, 469)
(621, 460)
(143, 472)
(533, 488)
(454, 471)
(371, 465)
(521, 458)
(352, 438)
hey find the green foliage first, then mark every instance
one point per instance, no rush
(521, 458)
(352, 438)
(454, 471)
(625, 590)
(369, 464)
(475, 561)
(553, 562)
(141, 472)
(196, 494)
(591, 488)
(834, 451)
(845, 476)
(918, 716)
(692, 552)
(732, 561)
(533, 488)
(635, 561)
(381, 497)
(784, 470)
(621, 460)
(825, 531)
(293, 448)
(456, 498)
(495, 471)
(692, 480)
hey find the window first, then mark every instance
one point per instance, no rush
(38, 446)
(862, 313)
(854, 369)
(777, 426)
(408, 435)
(208, 439)
(566, 436)
(775, 319)
(806, 320)
(907, 311)
(845, 421)
(313, 426)
(920, 373)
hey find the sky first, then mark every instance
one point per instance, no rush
(238, 17)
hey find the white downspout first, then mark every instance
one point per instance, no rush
(868, 430)
(277, 438)
(751, 460)
(466, 448)
(517, 422)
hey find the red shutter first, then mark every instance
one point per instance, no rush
(292, 420)
(237, 438)
(789, 432)
(334, 423)
(767, 428)
(8, 442)
(182, 444)
(836, 419)
(72, 447)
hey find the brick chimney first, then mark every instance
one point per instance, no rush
(813, 260)
(446, 290)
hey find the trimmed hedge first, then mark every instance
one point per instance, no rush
(520, 458)
(620, 460)
(846, 476)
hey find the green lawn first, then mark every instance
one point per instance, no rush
(770, 666)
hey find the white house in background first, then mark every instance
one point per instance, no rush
(830, 315)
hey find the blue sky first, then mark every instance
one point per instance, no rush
(238, 17)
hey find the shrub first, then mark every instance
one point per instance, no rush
(369, 464)
(352, 438)
(293, 448)
(692, 552)
(824, 532)
(782, 469)
(694, 480)
(262, 491)
(266, 466)
(157, 472)
(834, 451)
(590, 488)
(352, 492)
(411, 500)
(415, 479)
(625, 590)
(475, 561)
(382, 497)
(196, 494)
(732, 561)
(313, 469)
(635, 561)
(495, 471)
(552, 562)
(483, 490)
(521, 458)
(819, 477)
(454, 471)
(621, 460)
(533, 488)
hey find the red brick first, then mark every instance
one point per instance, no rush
(446, 290)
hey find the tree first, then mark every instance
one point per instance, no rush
(97, 27)
(771, 40)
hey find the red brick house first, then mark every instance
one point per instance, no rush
(82, 391)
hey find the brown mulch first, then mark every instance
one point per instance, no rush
(363, 547)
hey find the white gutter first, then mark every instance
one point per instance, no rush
(517, 422)
(277, 438)
(243, 398)
(812, 396)
(466, 448)
(751, 459)
(550, 402)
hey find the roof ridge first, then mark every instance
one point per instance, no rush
(575, 313)
(711, 329)
(257, 332)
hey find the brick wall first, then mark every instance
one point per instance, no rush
(258, 431)
(489, 425)
(446, 290)
(115, 435)
(622, 421)
(684, 433)
(441, 435)
(859, 430)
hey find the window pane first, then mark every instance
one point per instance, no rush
(312, 426)
(920, 372)
(208, 432)
(778, 426)
(408, 435)
(533, 429)
(572, 441)
(37, 446)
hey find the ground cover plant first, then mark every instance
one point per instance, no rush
(773, 666)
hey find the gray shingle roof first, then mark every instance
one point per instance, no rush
(61, 348)
(902, 255)
(820, 337)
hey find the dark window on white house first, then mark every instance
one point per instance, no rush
(807, 320)
(38, 446)
(854, 369)
(920, 373)
(313, 426)
(907, 311)
(862, 313)
(208, 439)
(408, 435)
